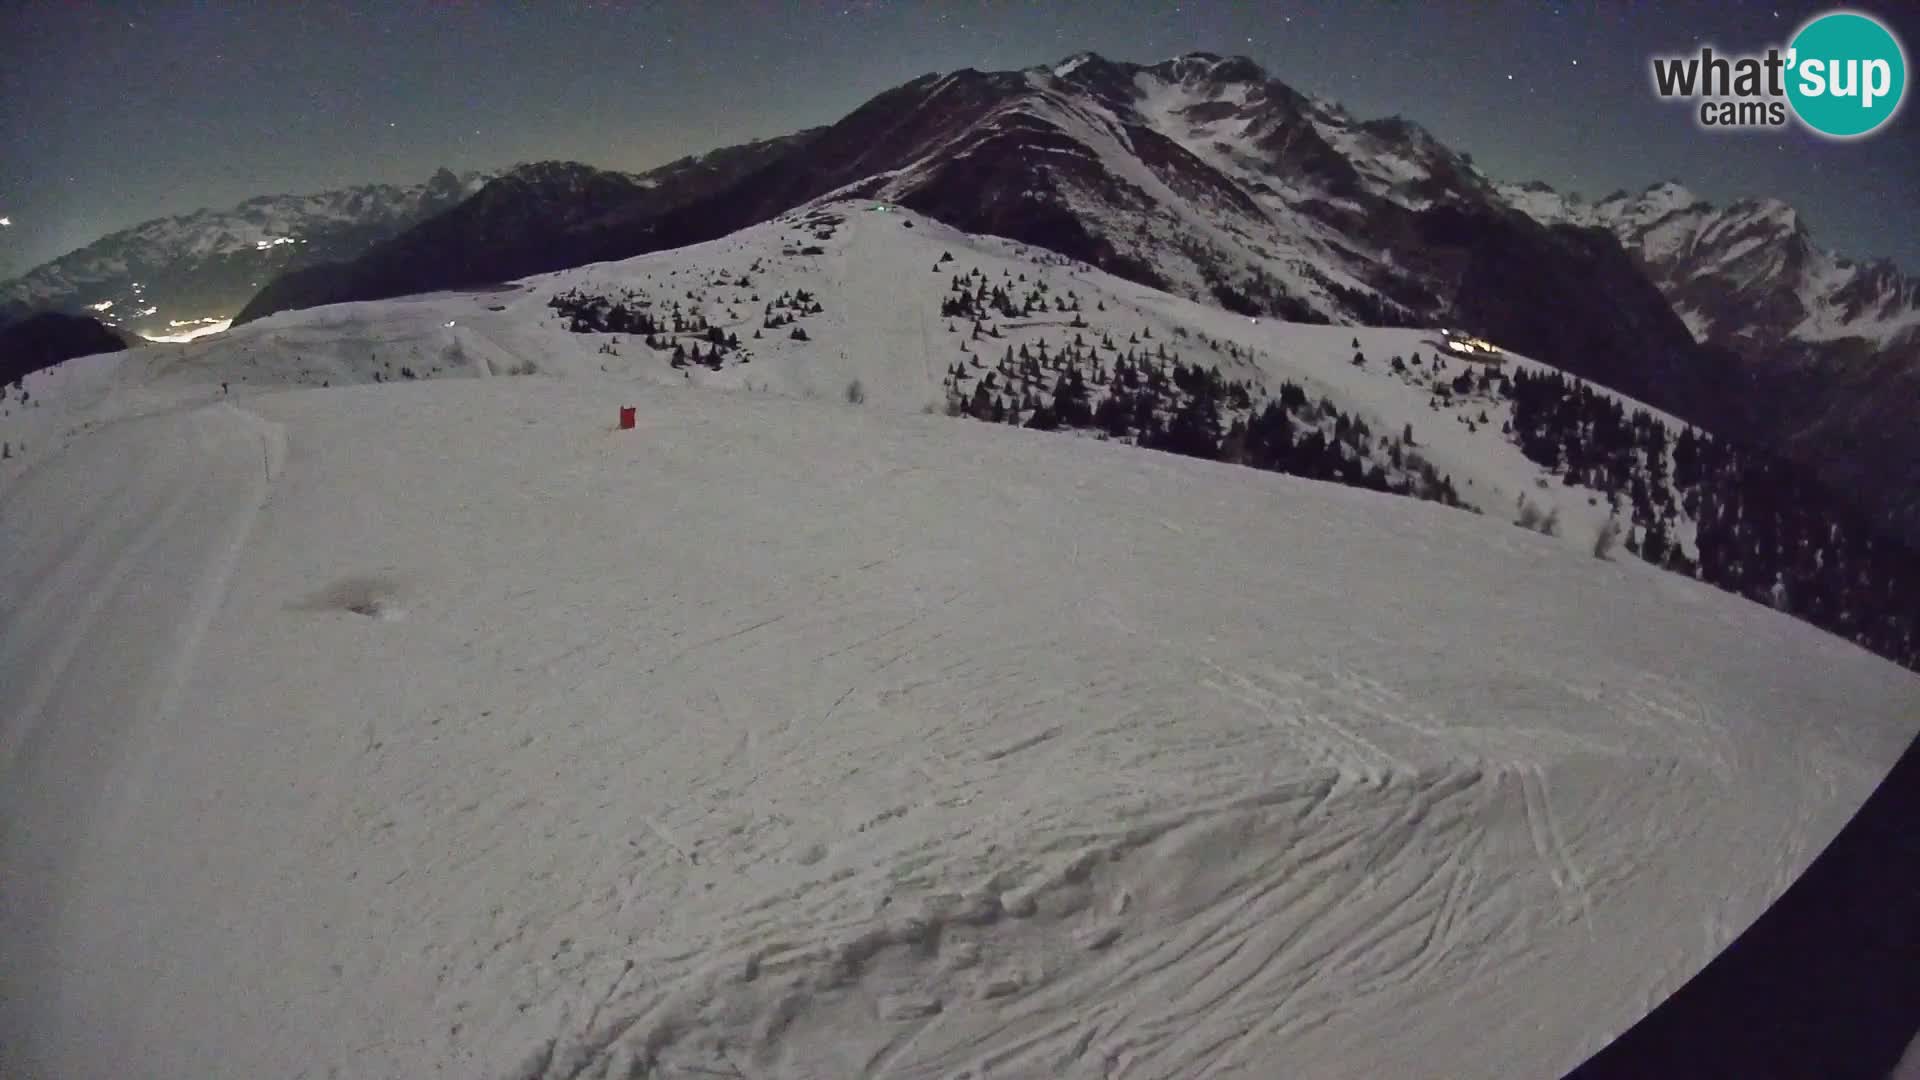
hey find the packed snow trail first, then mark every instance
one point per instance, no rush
(893, 340)
(117, 556)
(787, 738)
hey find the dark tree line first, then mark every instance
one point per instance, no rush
(969, 296)
(1195, 411)
(789, 307)
(1135, 389)
(1258, 294)
(1767, 529)
(587, 313)
(684, 333)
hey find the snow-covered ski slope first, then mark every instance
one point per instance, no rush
(397, 728)
(880, 285)
(443, 728)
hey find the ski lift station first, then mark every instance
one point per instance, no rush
(1472, 348)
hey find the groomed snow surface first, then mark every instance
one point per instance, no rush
(402, 729)
(440, 728)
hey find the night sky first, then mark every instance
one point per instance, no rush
(115, 113)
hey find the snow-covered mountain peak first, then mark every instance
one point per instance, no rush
(1668, 195)
(1196, 76)
(560, 175)
(445, 185)
(1073, 63)
(1207, 67)
(1617, 209)
(1747, 274)
(1769, 212)
(1400, 128)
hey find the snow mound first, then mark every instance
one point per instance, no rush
(786, 737)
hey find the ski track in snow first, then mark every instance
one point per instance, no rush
(438, 727)
(888, 800)
(106, 630)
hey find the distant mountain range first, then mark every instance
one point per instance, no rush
(532, 219)
(1828, 347)
(171, 275)
(1205, 176)
(1747, 274)
(1200, 175)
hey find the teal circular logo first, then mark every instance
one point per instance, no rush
(1846, 74)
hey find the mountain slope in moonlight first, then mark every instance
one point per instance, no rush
(441, 726)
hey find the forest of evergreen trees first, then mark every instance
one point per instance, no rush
(1140, 392)
(685, 331)
(1765, 529)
